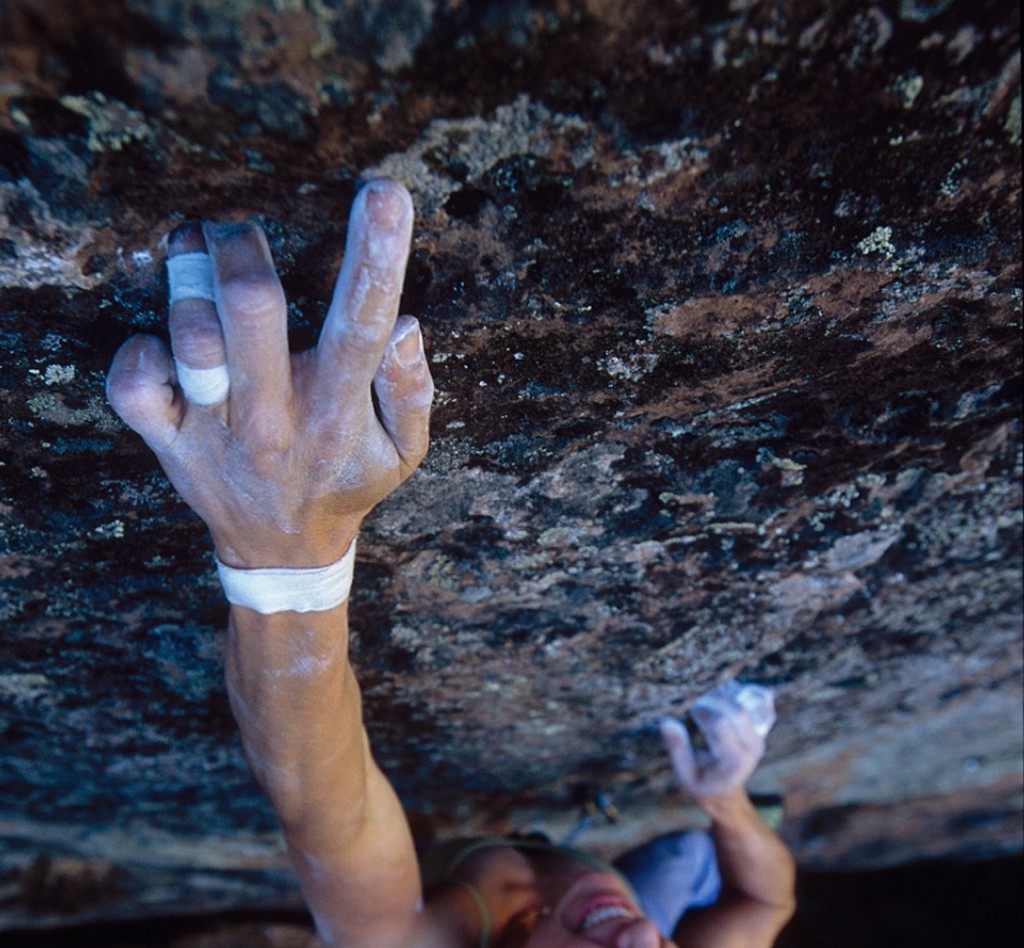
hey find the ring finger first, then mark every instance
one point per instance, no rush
(197, 340)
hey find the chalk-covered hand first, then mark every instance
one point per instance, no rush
(734, 721)
(282, 454)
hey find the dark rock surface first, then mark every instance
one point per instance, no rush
(724, 310)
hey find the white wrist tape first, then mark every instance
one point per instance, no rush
(267, 591)
(190, 277)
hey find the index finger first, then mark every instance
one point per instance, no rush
(366, 296)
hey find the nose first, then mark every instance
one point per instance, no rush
(640, 934)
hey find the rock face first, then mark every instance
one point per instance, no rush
(724, 310)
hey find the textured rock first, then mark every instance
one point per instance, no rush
(724, 313)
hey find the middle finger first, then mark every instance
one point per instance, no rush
(254, 318)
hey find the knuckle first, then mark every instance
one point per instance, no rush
(125, 385)
(268, 437)
(251, 298)
(198, 340)
(361, 336)
(419, 399)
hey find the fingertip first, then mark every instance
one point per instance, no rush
(217, 232)
(239, 247)
(139, 388)
(403, 370)
(388, 203)
(406, 343)
(186, 238)
(140, 358)
(673, 733)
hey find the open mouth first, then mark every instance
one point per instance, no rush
(604, 913)
(597, 910)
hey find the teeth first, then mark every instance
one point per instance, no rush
(600, 915)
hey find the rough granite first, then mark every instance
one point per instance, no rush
(723, 304)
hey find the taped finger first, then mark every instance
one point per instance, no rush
(190, 276)
(197, 342)
(203, 386)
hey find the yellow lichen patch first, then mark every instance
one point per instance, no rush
(112, 124)
(59, 374)
(908, 87)
(24, 685)
(878, 241)
(50, 407)
(110, 531)
(1012, 123)
(792, 472)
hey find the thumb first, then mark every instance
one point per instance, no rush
(680, 750)
(642, 933)
(404, 391)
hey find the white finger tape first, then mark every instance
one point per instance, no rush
(267, 591)
(203, 386)
(190, 277)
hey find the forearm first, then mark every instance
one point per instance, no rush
(282, 454)
(752, 861)
(298, 708)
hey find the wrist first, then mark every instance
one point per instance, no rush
(724, 808)
(287, 589)
(306, 549)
